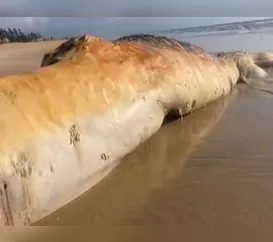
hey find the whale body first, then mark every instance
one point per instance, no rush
(64, 127)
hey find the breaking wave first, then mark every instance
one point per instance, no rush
(255, 26)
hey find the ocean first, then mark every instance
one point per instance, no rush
(246, 27)
(246, 35)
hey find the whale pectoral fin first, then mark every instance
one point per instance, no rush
(253, 71)
(256, 77)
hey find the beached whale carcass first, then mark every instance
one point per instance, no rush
(66, 125)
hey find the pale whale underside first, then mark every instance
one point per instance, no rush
(67, 125)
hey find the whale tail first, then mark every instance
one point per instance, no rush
(252, 68)
(248, 69)
(256, 75)
(262, 59)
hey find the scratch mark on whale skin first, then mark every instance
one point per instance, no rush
(75, 138)
(5, 204)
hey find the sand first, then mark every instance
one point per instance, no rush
(16, 58)
(209, 177)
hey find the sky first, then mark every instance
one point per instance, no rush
(135, 8)
(123, 16)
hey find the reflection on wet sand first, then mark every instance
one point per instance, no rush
(119, 198)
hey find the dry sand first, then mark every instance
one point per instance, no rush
(210, 176)
(16, 58)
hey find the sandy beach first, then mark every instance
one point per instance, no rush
(209, 175)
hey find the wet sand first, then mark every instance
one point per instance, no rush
(260, 41)
(210, 176)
